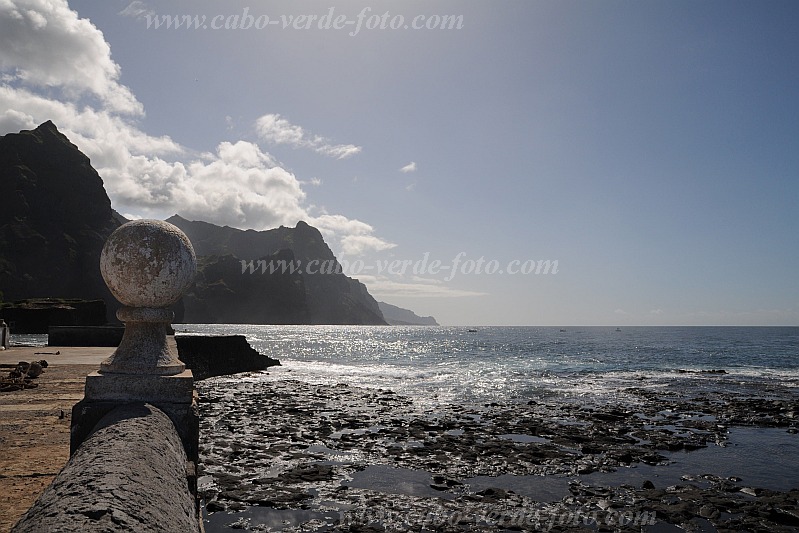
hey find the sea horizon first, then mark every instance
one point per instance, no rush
(473, 364)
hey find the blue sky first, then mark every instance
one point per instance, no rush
(650, 148)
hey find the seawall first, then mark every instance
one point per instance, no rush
(42, 435)
(130, 474)
(220, 355)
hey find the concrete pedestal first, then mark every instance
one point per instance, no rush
(174, 395)
(102, 386)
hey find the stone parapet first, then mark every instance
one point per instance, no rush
(130, 474)
(134, 436)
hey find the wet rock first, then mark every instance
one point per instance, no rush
(214, 506)
(708, 511)
(290, 445)
(308, 473)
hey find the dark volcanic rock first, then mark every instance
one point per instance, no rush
(220, 355)
(54, 218)
(222, 294)
(292, 296)
(289, 446)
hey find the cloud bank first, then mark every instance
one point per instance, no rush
(57, 66)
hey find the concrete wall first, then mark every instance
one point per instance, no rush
(130, 474)
(220, 355)
(85, 335)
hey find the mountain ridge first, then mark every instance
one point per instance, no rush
(331, 298)
(55, 217)
(49, 248)
(398, 316)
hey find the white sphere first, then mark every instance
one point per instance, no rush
(148, 263)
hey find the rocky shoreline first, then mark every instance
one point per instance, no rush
(284, 455)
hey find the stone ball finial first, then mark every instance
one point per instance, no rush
(148, 263)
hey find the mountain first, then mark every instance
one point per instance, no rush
(280, 289)
(397, 316)
(54, 219)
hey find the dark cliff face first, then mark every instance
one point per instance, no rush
(223, 294)
(397, 316)
(326, 298)
(54, 219)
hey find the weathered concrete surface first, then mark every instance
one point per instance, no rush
(140, 388)
(147, 265)
(129, 475)
(35, 423)
(34, 433)
(87, 414)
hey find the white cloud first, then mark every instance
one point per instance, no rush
(137, 10)
(357, 237)
(359, 244)
(620, 312)
(342, 224)
(656, 312)
(410, 167)
(50, 60)
(43, 43)
(273, 129)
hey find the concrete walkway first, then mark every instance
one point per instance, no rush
(35, 423)
(69, 355)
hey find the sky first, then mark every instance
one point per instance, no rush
(531, 162)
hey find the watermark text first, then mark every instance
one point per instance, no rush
(538, 519)
(459, 265)
(367, 19)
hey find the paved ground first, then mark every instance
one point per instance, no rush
(34, 423)
(69, 355)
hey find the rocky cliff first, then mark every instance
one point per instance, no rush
(277, 290)
(397, 316)
(222, 294)
(54, 218)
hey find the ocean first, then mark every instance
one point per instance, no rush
(564, 421)
(484, 364)
(559, 421)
